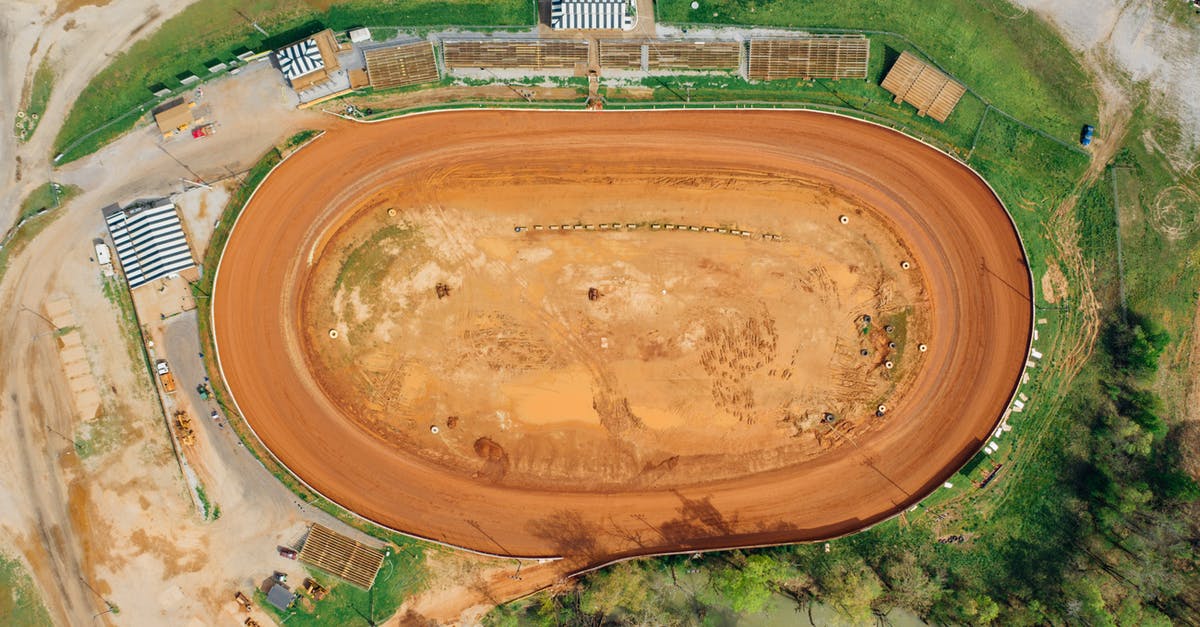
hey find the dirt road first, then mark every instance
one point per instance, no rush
(958, 232)
(96, 529)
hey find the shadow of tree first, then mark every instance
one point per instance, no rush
(569, 534)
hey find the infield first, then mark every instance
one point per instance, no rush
(683, 406)
(629, 335)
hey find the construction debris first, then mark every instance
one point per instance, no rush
(314, 589)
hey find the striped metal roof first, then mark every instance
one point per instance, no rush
(591, 14)
(149, 241)
(299, 59)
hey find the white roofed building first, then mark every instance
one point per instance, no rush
(300, 58)
(592, 14)
(311, 65)
(149, 241)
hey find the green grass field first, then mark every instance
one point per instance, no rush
(214, 29)
(1159, 198)
(1019, 65)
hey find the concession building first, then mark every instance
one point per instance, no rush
(592, 14)
(309, 61)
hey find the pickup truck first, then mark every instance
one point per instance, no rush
(165, 376)
(201, 132)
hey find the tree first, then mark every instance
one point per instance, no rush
(966, 607)
(1085, 602)
(745, 584)
(909, 586)
(852, 589)
(622, 586)
(1134, 344)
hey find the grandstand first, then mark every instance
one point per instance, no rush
(592, 14)
(814, 56)
(662, 54)
(533, 54)
(403, 65)
(923, 86)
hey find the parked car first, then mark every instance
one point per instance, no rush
(1085, 138)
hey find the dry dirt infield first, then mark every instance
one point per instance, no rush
(610, 457)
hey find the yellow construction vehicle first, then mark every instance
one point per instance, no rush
(242, 600)
(183, 428)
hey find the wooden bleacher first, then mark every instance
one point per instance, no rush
(403, 65)
(340, 556)
(814, 56)
(533, 54)
(923, 86)
(661, 54)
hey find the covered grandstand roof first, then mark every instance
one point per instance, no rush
(300, 58)
(149, 241)
(591, 14)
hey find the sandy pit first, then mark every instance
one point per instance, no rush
(639, 421)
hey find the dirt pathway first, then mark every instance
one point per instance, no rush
(78, 45)
(117, 525)
(1075, 349)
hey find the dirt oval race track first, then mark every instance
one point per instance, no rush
(958, 232)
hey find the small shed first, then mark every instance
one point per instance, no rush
(173, 117)
(360, 35)
(281, 597)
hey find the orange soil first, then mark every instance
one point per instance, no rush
(705, 354)
(974, 290)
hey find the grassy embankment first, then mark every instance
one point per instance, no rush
(117, 97)
(1019, 65)
(33, 101)
(36, 213)
(19, 600)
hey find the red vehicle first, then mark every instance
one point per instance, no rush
(202, 131)
(287, 552)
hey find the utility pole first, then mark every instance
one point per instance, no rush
(252, 23)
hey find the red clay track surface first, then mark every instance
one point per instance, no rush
(959, 235)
